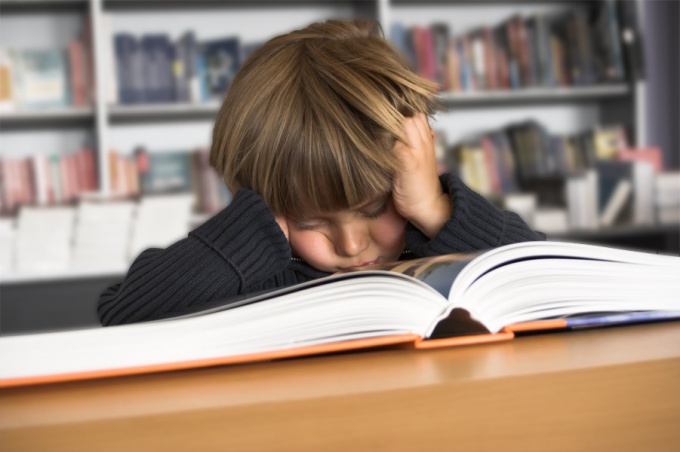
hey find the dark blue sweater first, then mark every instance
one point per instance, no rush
(242, 249)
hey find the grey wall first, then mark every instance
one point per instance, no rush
(661, 41)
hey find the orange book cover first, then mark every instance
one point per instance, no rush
(443, 301)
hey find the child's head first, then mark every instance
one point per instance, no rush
(311, 118)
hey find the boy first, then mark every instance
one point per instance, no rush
(323, 139)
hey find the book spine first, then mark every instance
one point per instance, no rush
(127, 65)
(76, 62)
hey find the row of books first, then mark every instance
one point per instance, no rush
(155, 68)
(614, 193)
(592, 43)
(594, 177)
(67, 179)
(46, 180)
(44, 78)
(145, 172)
(92, 234)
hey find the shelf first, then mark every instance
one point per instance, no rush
(534, 95)
(62, 275)
(163, 112)
(46, 118)
(618, 231)
(41, 6)
(129, 5)
(168, 111)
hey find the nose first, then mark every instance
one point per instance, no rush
(351, 239)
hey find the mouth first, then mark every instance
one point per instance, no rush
(363, 264)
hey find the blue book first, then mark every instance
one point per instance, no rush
(186, 81)
(129, 69)
(221, 63)
(166, 172)
(159, 80)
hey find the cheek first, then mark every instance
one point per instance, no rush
(389, 233)
(313, 248)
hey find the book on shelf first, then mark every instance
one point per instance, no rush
(187, 83)
(651, 154)
(7, 88)
(581, 193)
(426, 303)
(551, 220)
(220, 60)
(608, 141)
(158, 61)
(154, 68)
(129, 64)
(164, 172)
(584, 45)
(613, 203)
(169, 172)
(79, 74)
(640, 175)
(667, 197)
(631, 39)
(42, 77)
(43, 180)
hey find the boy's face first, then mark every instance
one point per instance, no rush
(370, 234)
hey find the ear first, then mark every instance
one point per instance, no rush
(232, 186)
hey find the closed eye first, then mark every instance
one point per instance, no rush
(306, 226)
(375, 213)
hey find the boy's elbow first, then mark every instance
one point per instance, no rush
(516, 230)
(107, 300)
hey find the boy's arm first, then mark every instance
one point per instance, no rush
(236, 249)
(474, 224)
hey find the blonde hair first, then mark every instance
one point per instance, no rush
(310, 120)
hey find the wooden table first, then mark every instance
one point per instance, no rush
(609, 389)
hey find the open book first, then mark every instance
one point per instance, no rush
(430, 302)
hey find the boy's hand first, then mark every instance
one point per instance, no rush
(417, 193)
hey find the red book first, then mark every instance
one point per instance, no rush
(491, 165)
(92, 169)
(77, 73)
(66, 181)
(649, 154)
(417, 35)
(430, 58)
(490, 60)
(452, 73)
(9, 196)
(50, 195)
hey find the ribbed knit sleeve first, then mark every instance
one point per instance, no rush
(475, 224)
(237, 248)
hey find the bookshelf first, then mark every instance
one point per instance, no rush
(160, 127)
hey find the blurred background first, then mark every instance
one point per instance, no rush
(566, 112)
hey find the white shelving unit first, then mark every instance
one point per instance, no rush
(176, 126)
(118, 126)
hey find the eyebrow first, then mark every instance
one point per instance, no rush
(320, 215)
